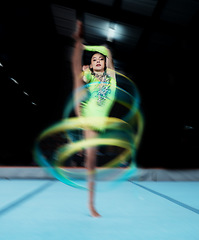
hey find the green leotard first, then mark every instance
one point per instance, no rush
(101, 90)
(101, 49)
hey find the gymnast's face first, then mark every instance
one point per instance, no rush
(97, 62)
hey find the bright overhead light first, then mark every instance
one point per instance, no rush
(111, 31)
(1, 65)
(111, 34)
(14, 80)
(25, 93)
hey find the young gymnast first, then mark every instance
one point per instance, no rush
(101, 81)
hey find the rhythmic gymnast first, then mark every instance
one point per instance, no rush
(101, 80)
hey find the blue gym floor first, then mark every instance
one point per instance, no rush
(50, 210)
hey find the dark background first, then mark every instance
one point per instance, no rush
(156, 44)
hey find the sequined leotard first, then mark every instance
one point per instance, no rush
(101, 88)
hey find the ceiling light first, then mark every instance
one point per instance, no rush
(111, 32)
(14, 80)
(25, 93)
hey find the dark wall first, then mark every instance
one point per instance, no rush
(30, 53)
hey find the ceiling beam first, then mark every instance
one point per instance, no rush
(115, 13)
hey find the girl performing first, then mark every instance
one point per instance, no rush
(101, 81)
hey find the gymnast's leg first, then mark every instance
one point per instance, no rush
(90, 161)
